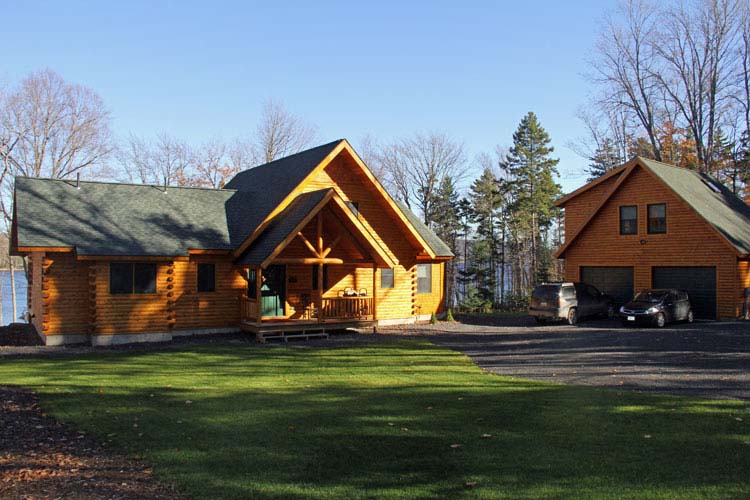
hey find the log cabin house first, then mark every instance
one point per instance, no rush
(306, 242)
(648, 224)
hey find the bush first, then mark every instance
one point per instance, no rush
(449, 316)
(433, 319)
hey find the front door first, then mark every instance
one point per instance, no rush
(273, 291)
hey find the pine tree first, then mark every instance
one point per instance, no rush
(486, 200)
(533, 189)
(604, 159)
(447, 224)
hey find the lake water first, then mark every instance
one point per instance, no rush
(21, 303)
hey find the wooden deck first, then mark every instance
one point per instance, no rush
(301, 329)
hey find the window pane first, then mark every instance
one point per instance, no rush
(206, 277)
(657, 218)
(252, 284)
(629, 220)
(314, 268)
(424, 278)
(386, 278)
(144, 279)
(120, 277)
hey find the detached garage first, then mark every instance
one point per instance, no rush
(647, 224)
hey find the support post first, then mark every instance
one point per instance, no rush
(374, 291)
(258, 293)
(319, 269)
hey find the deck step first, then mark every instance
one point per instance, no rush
(315, 333)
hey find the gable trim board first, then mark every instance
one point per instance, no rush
(707, 227)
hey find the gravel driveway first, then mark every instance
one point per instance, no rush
(705, 359)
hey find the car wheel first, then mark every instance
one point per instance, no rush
(660, 320)
(610, 311)
(690, 317)
(572, 316)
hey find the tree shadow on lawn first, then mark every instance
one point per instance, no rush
(380, 421)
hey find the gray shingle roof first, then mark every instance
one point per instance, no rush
(122, 219)
(436, 244)
(711, 199)
(99, 218)
(281, 226)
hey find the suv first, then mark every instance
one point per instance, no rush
(569, 301)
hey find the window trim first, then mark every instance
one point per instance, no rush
(427, 266)
(198, 277)
(622, 233)
(648, 218)
(392, 273)
(132, 266)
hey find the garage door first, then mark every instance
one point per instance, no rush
(616, 281)
(700, 283)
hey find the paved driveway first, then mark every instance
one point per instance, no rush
(706, 359)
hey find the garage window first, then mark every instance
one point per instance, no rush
(629, 219)
(657, 218)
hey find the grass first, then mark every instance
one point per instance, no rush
(378, 421)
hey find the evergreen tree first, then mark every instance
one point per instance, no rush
(486, 201)
(605, 158)
(447, 225)
(533, 189)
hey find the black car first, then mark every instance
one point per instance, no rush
(657, 307)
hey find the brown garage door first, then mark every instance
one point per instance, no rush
(699, 282)
(616, 281)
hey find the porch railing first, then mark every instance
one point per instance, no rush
(347, 307)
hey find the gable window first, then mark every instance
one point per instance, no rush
(126, 278)
(629, 219)
(206, 277)
(354, 207)
(657, 218)
(386, 278)
(315, 276)
(424, 278)
(252, 283)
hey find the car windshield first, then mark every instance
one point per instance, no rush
(650, 296)
(546, 292)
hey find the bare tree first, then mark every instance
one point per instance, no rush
(212, 166)
(164, 160)
(415, 166)
(280, 133)
(625, 67)
(51, 128)
(697, 44)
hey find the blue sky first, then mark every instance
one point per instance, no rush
(202, 69)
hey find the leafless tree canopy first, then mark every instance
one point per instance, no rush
(281, 133)
(51, 128)
(674, 71)
(413, 168)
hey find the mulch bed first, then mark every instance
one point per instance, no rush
(42, 459)
(19, 334)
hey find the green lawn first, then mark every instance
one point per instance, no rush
(378, 421)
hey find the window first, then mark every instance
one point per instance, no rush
(127, 278)
(629, 219)
(252, 283)
(386, 278)
(206, 277)
(354, 207)
(315, 276)
(657, 218)
(424, 278)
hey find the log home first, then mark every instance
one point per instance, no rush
(652, 225)
(309, 241)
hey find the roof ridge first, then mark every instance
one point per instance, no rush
(115, 183)
(269, 163)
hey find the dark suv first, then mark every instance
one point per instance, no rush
(569, 302)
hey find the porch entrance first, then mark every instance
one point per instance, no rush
(273, 291)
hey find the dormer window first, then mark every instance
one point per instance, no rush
(657, 218)
(629, 219)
